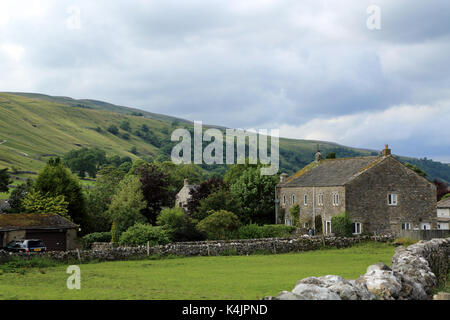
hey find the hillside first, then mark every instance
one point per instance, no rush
(34, 127)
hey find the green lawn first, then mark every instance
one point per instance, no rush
(224, 277)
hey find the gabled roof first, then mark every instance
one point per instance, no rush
(25, 221)
(445, 203)
(331, 172)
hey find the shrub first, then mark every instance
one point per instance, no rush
(113, 129)
(219, 225)
(318, 224)
(140, 233)
(403, 242)
(250, 231)
(253, 231)
(90, 238)
(295, 213)
(277, 231)
(341, 225)
(178, 224)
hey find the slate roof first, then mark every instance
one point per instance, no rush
(331, 172)
(445, 203)
(25, 221)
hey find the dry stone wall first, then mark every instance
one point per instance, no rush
(414, 272)
(107, 252)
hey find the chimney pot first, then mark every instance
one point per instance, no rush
(386, 151)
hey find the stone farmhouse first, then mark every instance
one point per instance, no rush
(184, 195)
(380, 194)
(443, 214)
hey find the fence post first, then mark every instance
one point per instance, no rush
(148, 248)
(79, 256)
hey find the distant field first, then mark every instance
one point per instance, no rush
(225, 277)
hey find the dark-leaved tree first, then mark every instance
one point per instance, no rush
(4, 180)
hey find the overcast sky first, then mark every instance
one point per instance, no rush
(313, 69)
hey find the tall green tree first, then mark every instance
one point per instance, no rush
(36, 202)
(126, 206)
(4, 180)
(255, 193)
(156, 188)
(18, 195)
(55, 180)
(85, 160)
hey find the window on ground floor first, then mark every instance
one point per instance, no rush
(406, 226)
(288, 222)
(327, 227)
(356, 227)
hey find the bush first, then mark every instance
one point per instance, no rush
(178, 225)
(403, 242)
(250, 231)
(140, 233)
(318, 224)
(253, 231)
(90, 238)
(341, 225)
(295, 214)
(219, 225)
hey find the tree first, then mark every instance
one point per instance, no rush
(178, 224)
(318, 224)
(156, 189)
(416, 169)
(4, 180)
(36, 202)
(126, 206)
(295, 214)
(221, 199)
(133, 150)
(202, 191)
(125, 125)
(331, 155)
(18, 195)
(85, 160)
(255, 193)
(98, 199)
(140, 234)
(341, 225)
(113, 129)
(441, 188)
(220, 225)
(56, 180)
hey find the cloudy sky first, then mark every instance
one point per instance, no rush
(313, 69)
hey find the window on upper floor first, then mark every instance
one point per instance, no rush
(320, 199)
(284, 199)
(392, 199)
(305, 200)
(335, 198)
(293, 198)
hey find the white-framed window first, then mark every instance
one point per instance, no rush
(293, 198)
(392, 199)
(305, 199)
(335, 198)
(284, 199)
(320, 199)
(406, 226)
(357, 227)
(425, 226)
(327, 227)
(288, 222)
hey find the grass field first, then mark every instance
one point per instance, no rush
(224, 277)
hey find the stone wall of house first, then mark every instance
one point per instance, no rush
(107, 252)
(414, 272)
(367, 198)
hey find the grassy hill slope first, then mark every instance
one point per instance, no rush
(34, 127)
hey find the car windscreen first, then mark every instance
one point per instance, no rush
(34, 244)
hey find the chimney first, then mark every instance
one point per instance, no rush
(317, 156)
(386, 151)
(283, 177)
(186, 182)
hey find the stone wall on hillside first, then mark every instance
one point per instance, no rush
(414, 272)
(107, 252)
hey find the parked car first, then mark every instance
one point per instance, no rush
(28, 245)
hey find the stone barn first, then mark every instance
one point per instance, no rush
(184, 195)
(380, 194)
(58, 233)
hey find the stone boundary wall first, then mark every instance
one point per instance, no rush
(414, 272)
(107, 252)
